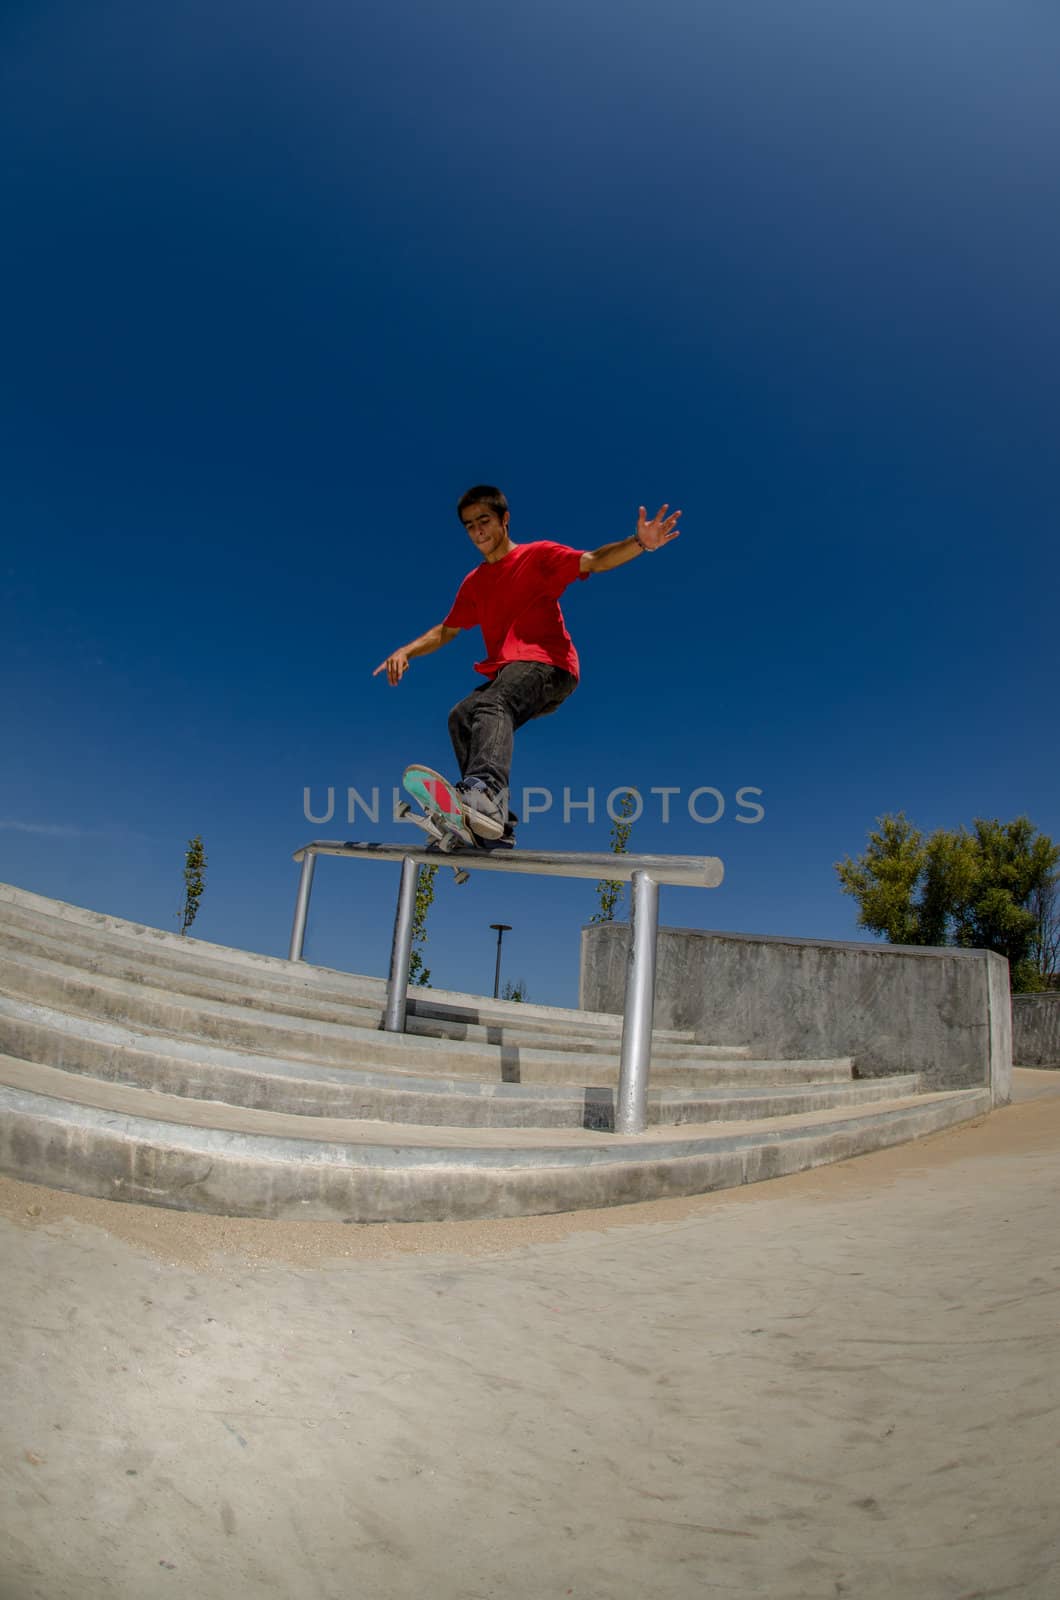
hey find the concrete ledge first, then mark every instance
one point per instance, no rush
(47, 1141)
(893, 1008)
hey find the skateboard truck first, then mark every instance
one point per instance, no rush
(403, 812)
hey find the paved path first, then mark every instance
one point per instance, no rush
(840, 1383)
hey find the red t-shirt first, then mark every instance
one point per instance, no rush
(516, 603)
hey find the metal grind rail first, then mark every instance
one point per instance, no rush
(644, 872)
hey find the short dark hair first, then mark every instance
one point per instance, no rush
(483, 494)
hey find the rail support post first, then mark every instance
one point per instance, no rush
(301, 905)
(401, 950)
(631, 1109)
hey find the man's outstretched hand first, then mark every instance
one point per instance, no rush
(395, 666)
(659, 530)
(397, 662)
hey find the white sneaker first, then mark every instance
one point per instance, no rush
(487, 814)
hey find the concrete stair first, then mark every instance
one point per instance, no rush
(138, 1065)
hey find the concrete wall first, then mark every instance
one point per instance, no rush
(894, 1008)
(1036, 1030)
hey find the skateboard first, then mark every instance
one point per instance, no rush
(442, 818)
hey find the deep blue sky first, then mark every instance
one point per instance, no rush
(281, 281)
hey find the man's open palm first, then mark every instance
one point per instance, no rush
(656, 531)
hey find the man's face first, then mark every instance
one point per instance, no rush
(488, 532)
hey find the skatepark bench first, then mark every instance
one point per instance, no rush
(644, 872)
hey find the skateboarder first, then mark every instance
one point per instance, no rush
(530, 665)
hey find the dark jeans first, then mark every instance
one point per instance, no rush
(482, 727)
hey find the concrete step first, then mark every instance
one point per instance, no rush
(139, 1065)
(438, 1025)
(49, 1016)
(21, 908)
(142, 1006)
(110, 1052)
(90, 941)
(122, 1142)
(310, 1003)
(449, 1006)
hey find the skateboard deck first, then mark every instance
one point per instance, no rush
(443, 814)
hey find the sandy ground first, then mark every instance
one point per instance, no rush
(842, 1383)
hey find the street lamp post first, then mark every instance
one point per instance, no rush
(502, 928)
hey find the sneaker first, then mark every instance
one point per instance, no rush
(487, 814)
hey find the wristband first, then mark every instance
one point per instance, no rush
(638, 540)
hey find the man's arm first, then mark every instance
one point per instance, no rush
(650, 535)
(397, 663)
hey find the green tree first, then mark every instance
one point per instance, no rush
(886, 882)
(194, 883)
(1045, 946)
(418, 972)
(516, 990)
(609, 890)
(997, 869)
(971, 888)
